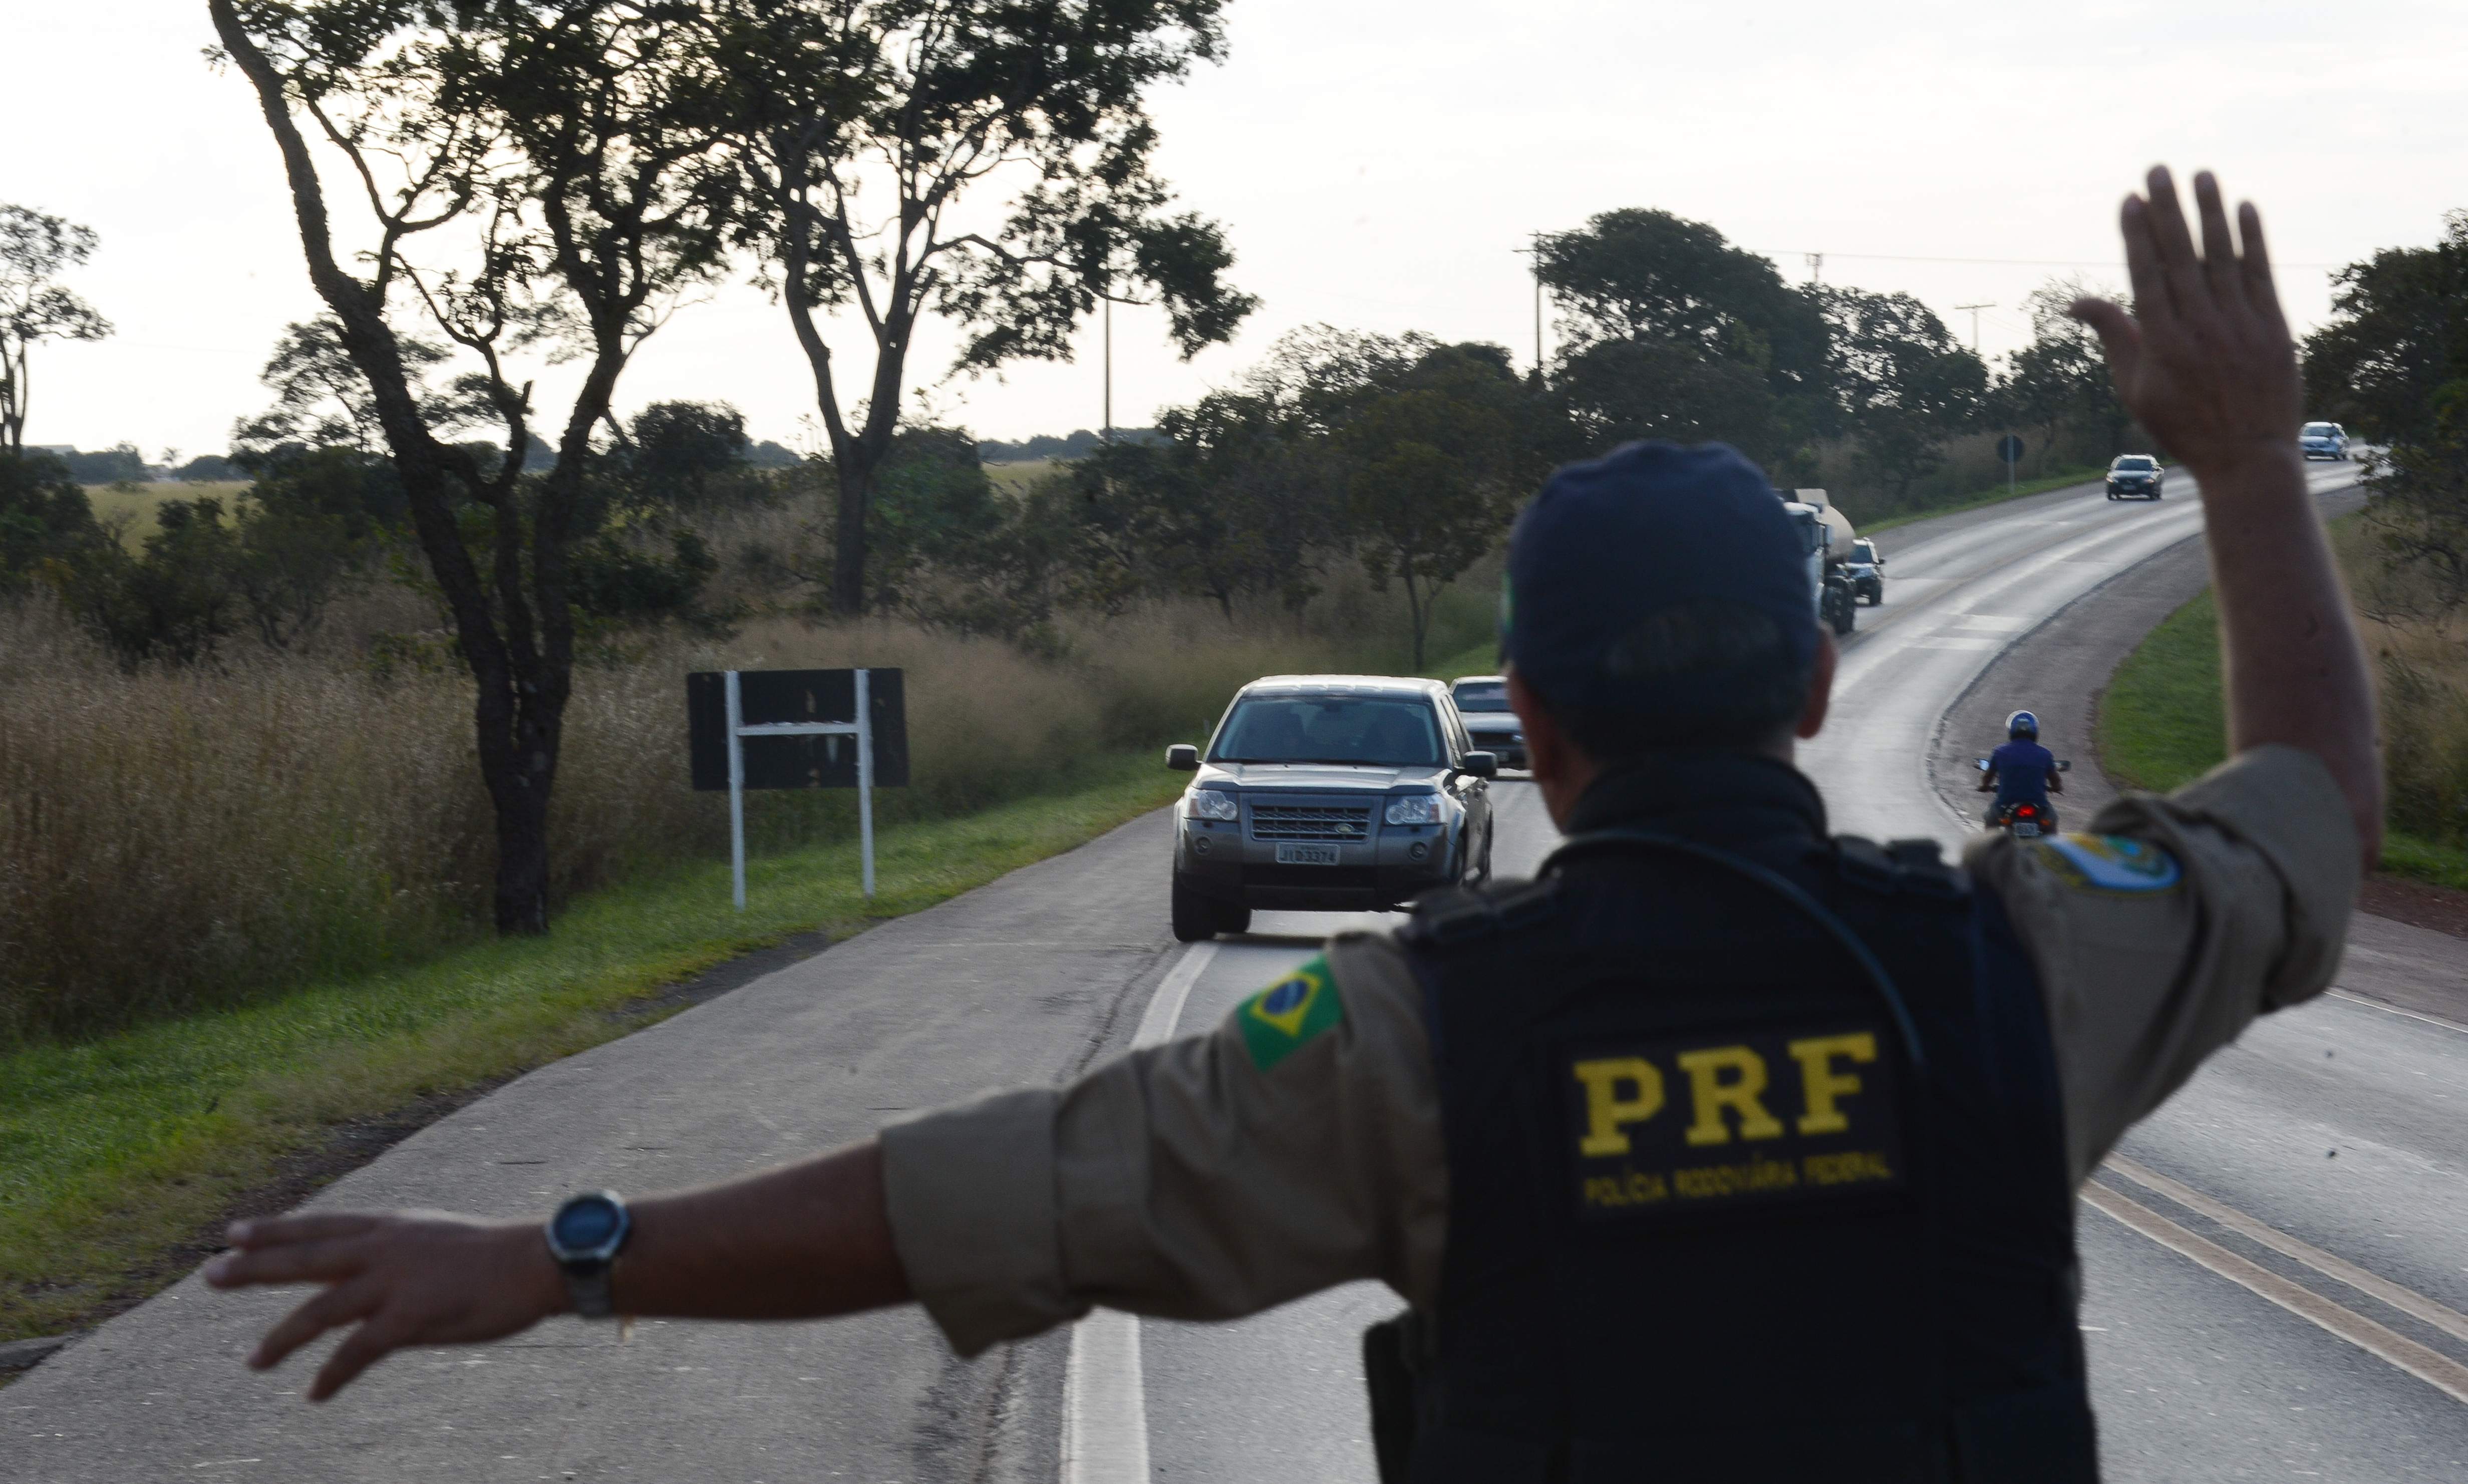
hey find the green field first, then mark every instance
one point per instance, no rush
(1013, 479)
(136, 504)
(116, 1154)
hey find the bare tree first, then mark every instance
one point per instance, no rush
(562, 160)
(34, 250)
(866, 125)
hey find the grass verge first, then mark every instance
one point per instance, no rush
(2163, 723)
(116, 1154)
(1995, 497)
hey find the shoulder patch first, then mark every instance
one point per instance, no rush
(1278, 1020)
(2109, 863)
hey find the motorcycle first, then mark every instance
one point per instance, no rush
(2024, 820)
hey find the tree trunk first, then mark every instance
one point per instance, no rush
(1415, 611)
(856, 471)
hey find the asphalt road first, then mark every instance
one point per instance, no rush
(2313, 1171)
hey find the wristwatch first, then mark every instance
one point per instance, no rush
(584, 1235)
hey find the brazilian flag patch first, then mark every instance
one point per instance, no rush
(1280, 1018)
(2111, 864)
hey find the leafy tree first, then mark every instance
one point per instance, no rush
(566, 162)
(688, 458)
(1435, 472)
(2061, 378)
(1231, 499)
(868, 123)
(119, 464)
(209, 468)
(44, 517)
(323, 399)
(1670, 331)
(2393, 366)
(34, 250)
(1905, 386)
(2400, 336)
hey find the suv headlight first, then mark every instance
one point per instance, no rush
(1212, 804)
(1414, 809)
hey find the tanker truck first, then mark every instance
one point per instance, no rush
(1825, 537)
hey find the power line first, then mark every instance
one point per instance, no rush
(1814, 258)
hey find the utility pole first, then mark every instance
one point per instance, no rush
(1815, 266)
(1108, 435)
(1975, 309)
(1535, 252)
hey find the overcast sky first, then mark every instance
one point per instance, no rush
(1377, 166)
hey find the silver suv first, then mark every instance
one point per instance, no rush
(1327, 793)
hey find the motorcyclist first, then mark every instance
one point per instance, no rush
(2021, 772)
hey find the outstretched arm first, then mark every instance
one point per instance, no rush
(804, 1241)
(2205, 361)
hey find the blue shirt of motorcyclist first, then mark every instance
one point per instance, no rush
(2022, 770)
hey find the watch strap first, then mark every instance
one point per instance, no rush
(587, 1288)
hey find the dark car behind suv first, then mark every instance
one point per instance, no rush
(1327, 793)
(1482, 700)
(2135, 476)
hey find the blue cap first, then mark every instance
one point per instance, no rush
(1649, 526)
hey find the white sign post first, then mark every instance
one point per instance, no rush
(862, 729)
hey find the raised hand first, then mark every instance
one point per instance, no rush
(2203, 360)
(408, 1278)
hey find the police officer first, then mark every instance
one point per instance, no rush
(2021, 772)
(1722, 1150)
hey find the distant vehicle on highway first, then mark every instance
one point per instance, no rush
(2323, 441)
(1482, 700)
(1864, 569)
(2135, 476)
(1327, 793)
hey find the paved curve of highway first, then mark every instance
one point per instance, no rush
(2275, 1271)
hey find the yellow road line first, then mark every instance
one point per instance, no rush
(2432, 1367)
(2407, 1301)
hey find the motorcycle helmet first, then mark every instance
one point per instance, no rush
(2021, 726)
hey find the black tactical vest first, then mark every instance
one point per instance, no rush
(1756, 1167)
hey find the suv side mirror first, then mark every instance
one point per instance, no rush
(1481, 764)
(1183, 758)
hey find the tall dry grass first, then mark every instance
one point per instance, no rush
(2421, 653)
(171, 839)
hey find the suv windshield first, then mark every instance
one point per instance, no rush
(2136, 464)
(1483, 695)
(2320, 430)
(1391, 732)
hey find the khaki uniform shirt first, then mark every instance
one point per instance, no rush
(1218, 1176)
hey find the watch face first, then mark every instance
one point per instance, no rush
(586, 1223)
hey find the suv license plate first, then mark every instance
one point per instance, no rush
(1306, 854)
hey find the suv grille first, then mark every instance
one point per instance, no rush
(1310, 822)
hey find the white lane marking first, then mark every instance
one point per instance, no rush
(1165, 1007)
(1104, 1397)
(2407, 1301)
(2430, 1366)
(1994, 623)
(1953, 642)
(2389, 1008)
(1105, 1416)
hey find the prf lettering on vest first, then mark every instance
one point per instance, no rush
(1728, 1077)
(1619, 1090)
(1778, 1115)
